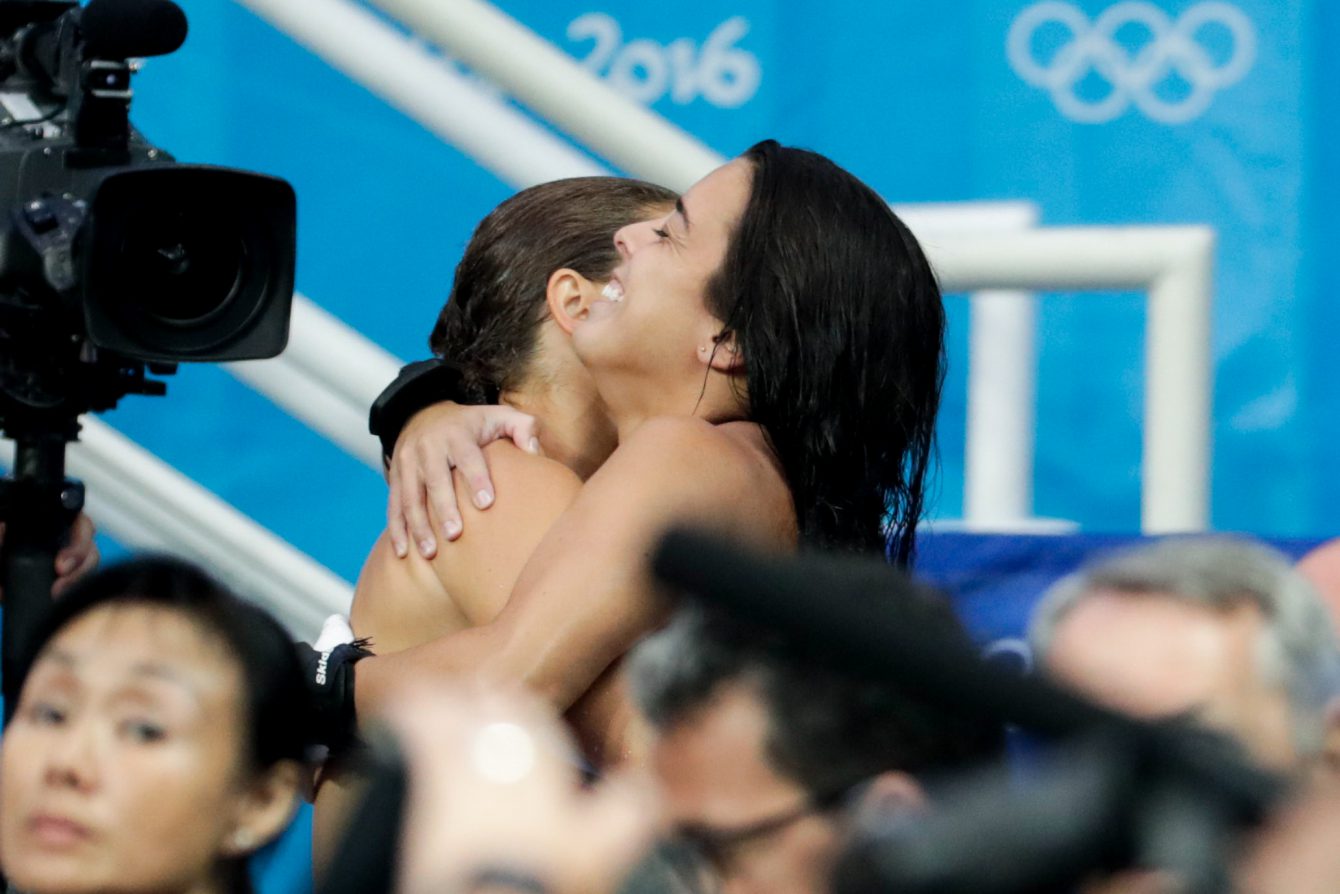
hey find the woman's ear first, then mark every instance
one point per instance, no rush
(722, 353)
(265, 808)
(569, 296)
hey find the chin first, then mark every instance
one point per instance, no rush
(39, 874)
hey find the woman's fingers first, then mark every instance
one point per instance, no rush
(396, 527)
(435, 441)
(414, 499)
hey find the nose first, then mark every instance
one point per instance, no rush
(71, 758)
(630, 237)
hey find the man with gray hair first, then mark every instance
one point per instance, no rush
(1221, 630)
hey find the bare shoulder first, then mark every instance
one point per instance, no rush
(727, 469)
(480, 567)
(401, 602)
(518, 474)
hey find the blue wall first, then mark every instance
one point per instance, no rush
(924, 102)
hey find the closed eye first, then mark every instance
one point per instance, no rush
(661, 233)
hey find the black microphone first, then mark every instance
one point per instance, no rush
(121, 29)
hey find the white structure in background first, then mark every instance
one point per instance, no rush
(330, 374)
(145, 503)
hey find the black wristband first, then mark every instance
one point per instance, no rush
(330, 684)
(420, 384)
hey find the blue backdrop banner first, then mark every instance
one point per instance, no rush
(1100, 111)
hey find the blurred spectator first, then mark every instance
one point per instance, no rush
(1321, 566)
(1220, 629)
(158, 739)
(764, 750)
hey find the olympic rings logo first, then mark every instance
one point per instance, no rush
(1172, 49)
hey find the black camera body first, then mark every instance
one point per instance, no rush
(115, 264)
(114, 259)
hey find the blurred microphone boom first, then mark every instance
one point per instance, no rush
(838, 602)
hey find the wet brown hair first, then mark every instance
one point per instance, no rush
(491, 320)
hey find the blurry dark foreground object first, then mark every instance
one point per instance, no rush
(1119, 793)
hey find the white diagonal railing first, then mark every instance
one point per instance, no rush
(328, 377)
(405, 74)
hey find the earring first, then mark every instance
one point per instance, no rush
(243, 840)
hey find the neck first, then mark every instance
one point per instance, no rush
(632, 402)
(575, 427)
(221, 881)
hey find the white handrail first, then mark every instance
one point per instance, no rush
(144, 503)
(558, 89)
(1175, 266)
(426, 88)
(328, 377)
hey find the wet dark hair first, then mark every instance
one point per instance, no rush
(839, 317)
(275, 697)
(492, 317)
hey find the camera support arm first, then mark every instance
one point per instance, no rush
(38, 504)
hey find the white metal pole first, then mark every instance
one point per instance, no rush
(426, 88)
(555, 86)
(1174, 264)
(1178, 395)
(1002, 371)
(1001, 418)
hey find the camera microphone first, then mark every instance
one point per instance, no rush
(121, 29)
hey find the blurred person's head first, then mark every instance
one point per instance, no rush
(784, 291)
(1218, 629)
(764, 749)
(158, 739)
(532, 269)
(1321, 566)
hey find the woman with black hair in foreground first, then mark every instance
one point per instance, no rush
(159, 738)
